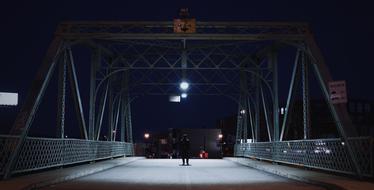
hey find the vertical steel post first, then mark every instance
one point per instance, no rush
(184, 59)
(239, 126)
(95, 64)
(61, 96)
(251, 119)
(306, 99)
(273, 61)
(243, 104)
(123, 118)
(245, 120)
(110, 111)
(257, 109)
(116, 119)
(129, 122)
(239, 130)
(125, 102)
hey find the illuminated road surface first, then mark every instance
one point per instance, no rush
(165, 174)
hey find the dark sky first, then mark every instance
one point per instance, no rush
(343, 30)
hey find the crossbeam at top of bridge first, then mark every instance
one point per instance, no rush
(251, 31)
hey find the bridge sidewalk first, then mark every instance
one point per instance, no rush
(309, 176)
(55, 176)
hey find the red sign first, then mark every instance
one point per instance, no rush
(184, 25)
(338, 92)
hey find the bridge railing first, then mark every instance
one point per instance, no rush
(324, 154)
(41, 153)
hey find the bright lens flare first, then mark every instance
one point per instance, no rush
(184, 85)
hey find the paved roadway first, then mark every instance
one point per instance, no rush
(167, 174)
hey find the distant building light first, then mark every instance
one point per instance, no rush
(146, 135)
(163, 141)
(242, 111)
(184, 95)
(8, 99)
(174, 99)
(184, 85)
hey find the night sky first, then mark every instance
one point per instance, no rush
(344, 32)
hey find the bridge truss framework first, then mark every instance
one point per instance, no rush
(238, 60)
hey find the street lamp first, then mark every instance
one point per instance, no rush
(184, 85)
(184, 95)
(146, 135)
(220, 136)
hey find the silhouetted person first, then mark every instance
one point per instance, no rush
(184, 148)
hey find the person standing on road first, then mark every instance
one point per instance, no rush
(184, 148)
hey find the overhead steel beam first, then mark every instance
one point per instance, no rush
(223, 37)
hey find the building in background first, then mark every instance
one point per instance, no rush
(166, 144)
(228, 128)
(207, 140)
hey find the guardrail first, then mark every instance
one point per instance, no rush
(41, 153)
(324, 154)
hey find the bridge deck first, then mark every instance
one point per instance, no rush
(168, 174)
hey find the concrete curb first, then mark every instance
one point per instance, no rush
(246, 162)
(41, 184)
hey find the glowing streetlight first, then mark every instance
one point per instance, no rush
(242, 111)
(220, 136)
(184, 95)
(184, 85)
(146, 135)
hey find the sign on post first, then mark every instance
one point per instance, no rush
(184, 25)
(338, 92)
(8, 99)
(174, 98)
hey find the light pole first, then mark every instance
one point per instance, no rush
(146, 137)
(220, 138)
(184, 85)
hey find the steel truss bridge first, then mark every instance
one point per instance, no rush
(238, 60)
